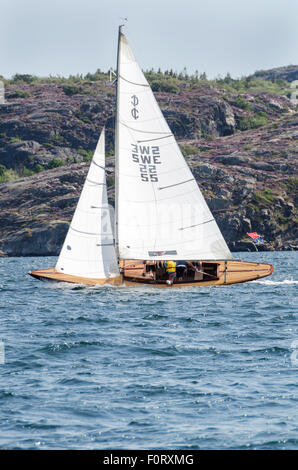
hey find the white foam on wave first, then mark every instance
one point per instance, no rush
(276, 283)
(73, 286)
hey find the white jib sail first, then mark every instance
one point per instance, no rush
(161, 211)
(88, 249)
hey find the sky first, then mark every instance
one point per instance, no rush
(63, 37)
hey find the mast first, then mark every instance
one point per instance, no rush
(117, 144)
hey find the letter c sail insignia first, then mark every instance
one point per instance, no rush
(135, 113)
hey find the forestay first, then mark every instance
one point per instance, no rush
(161, 212)
(88, 250)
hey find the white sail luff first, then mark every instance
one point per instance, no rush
(117, 146)
(161, 212)
(88, 250)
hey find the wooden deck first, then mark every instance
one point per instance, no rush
(227, 272)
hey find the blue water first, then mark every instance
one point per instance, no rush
(149, 368)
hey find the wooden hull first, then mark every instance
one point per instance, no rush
(227, 273)
(51, 275)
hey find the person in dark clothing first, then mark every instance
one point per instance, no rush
(181, 267)
(184, 268)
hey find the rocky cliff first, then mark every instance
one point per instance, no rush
(241, 145)
(288, 73)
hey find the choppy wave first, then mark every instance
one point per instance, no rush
(268, 282)
(186, 368)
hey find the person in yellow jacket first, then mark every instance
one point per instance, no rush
(171, 271)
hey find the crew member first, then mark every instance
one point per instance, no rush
(181, 267)
(171, 271)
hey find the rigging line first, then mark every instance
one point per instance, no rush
(150, 119)
(167, 223)
(99, 166)
(104, 244)
(175, 170)
(195, 225)
(177, 184)
(95, 182)
(133, 83)
(157, 138)
(207, 274)
(86, 211)
(144, 132)
(141, 92)
(147, 248)
(85, 233)
(174, 222)
(159, 200)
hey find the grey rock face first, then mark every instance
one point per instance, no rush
(247, 178)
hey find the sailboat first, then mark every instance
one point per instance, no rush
(161, 215)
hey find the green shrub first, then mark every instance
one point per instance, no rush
(23, 78)
(26, 172)
(207, 137)
(188, 149)
(263, 198)
(19, 94)
(292, 184)
(248, 147)
(258, 120)
(48, 145)
(243, 123)
(240, 102)
(3, 169)
(71, 89)
(165, 86)
(6, 174)
(98, 75)
(252, 84)
(13, 140)
(87, 154)
(110, 181)
(55, 163)
(38, 168)
(252, 122)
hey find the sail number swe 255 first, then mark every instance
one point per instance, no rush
(147, 157)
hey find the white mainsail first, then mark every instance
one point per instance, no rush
(88, 250)
(160, 210)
